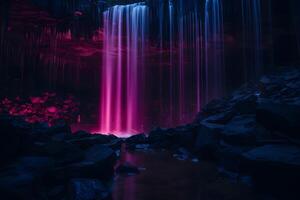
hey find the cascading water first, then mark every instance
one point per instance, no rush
(251, 11)
(189, 35)
(148, 78)
(120, 97)
(179, 47)
(171, 36)
(180, 83)
(214, 51)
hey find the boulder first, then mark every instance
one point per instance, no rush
(220, 118)
(17, 185)
(87, 189)
(127, 169)
(81, 134)
(173, 138)
(229, 156)
(132, 141)
(87, 142)
(275, 168)
(56, 192)
(60, 127)
(98, 163)
(98, 154)
(241, 130)
(246, 104)
(36, 164)
(62, 152)
(272, 155)
(115, 144)
(185, 136)
(41, 131)
(24, 178)
(206, 145)
(215, 107)
(160, 138)
(279, 117)
(62, 136)
(14, 138)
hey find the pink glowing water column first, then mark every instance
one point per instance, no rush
(120, 96)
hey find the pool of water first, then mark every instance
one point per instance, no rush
(164, 177)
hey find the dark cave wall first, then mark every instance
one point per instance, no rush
(285, 25)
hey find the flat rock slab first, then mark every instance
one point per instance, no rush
(276, 154)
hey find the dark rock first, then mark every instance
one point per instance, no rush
(87, 189)
(60, 137)
(87, 142)
(279, 117)
(56, 192)
(275, 168)
(183, 136)
(17, 185)
(23, 179)
(81, 134)
(14, 138)
(215, 107)
(115, 144)
(240, 130)
(159, 138)
(220, 118)
(132, 141)
(127, 168)
(61, 127)
(287, 155)
(98, 163)
(42, 130)
(157, 135)
(246, 104)
(229, 156)
(62, 152)
(182, 154)
(137, 139)
(98, 153)
(206, 144)
(142, 146)
(36, 164)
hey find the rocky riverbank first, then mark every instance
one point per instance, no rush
(254, 131)
(41, 162)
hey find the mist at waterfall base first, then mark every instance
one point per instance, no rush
(137, 66)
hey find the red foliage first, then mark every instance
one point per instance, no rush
(48, 108)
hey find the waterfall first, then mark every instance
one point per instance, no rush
(189, 49)
(125, 29)
(181, 71)
(171, 46)
(145, 78)
(214, 51)
(251, 11)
